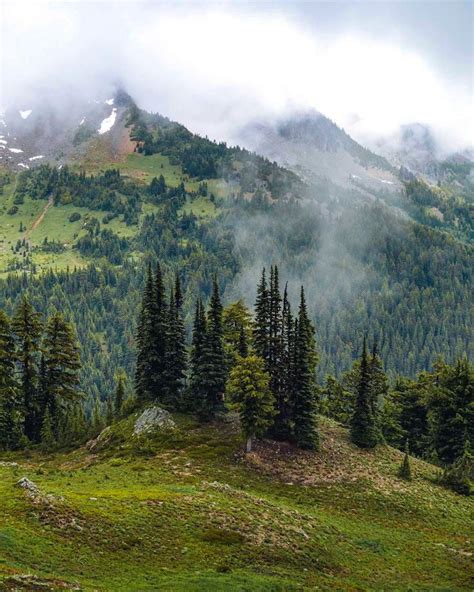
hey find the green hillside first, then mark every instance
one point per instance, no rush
(185, 510)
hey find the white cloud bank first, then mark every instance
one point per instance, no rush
(216, 68)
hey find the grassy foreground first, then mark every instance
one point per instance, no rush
(186, 511)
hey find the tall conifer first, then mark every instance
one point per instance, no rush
(363, 428)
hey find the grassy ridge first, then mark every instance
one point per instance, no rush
(185, 511)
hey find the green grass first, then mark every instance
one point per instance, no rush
(185, 511)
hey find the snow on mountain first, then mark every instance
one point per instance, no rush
(25, 114)
(108, 122)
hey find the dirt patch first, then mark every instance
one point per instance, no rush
(30, 582)
(39, 219)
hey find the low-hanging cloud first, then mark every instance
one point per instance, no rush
(215, 68)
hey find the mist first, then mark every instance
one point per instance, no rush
(216, 67)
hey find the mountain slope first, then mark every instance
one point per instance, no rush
(185, 510)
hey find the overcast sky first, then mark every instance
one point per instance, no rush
(369, 66)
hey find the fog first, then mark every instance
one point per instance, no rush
(217, 66)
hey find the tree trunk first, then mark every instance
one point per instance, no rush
(248, 445)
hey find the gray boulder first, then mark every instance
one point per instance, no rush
(153, 419)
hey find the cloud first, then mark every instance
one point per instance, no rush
(214, 68)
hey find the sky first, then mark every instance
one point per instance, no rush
(216, 66)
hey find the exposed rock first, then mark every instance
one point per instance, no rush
(152, 419)
(30, 487)
(31, 582)
(102, 439)
(4, 463)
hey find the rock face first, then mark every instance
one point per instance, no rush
(102, 440)
(153, 418)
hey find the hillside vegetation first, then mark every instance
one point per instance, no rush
(185, 510)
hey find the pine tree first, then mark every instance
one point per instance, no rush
(48, 439)
(119, 395)
(405, 469)
(460, 475)
(304, 403)
(176, 350)
(248, 389)
(378, 388)
(197, 385)
(109, 411)
(214, 370)
(27, 329)
(262, 320)
(243, 347)
(363, 429)
(97, 419)
(10, 403)
(62, 366)
(158, 341)
(143, 373)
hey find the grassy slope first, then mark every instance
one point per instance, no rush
(56, 226)
(187, 512)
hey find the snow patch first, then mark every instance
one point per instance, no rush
(82, 121)
(3, 142)
(36, 157)
(108, 122)
(386, 182)
(25, 166)
(109, 102)
(25, 114)
(16, 150)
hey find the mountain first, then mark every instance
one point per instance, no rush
(315, 147)
(74, 233)
(186, 510)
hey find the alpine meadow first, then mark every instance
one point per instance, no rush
(236, 296)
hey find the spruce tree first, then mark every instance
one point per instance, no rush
(119, 395)
(214, 368)
(62, 366)
(143, 372)
(27, 329)
(176, 350)
(363, 428)
(197, 386)
(378, 388)
(405, 469)
(10, 404)
(48, 438)
(243, 347)
(262, 321)
(158, 338)
(304, 403)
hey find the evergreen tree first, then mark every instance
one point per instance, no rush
(27, 331)
(143, 377)
(62, 366)
(158, 341)
(378, 388)
(214, 370)
(363, 429)
(248, 389)
(304, 403)
(460, 475)
(197, 385)
(119, 395)
(405, 469)
(109, 411)
(243, 347)
(10, 404)
(262, 320)
(176, 350)
(48, 439)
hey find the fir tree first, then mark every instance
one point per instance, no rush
(157, 341)
(48, 439)
(243, 347)
(363, 429)
(197, 386)
(176, 350)
(378, 388)
(304, 403)
(109, 411)
(214, 370)
(119, 395)
(248, 389)
(10, 403)
(262, 320)
(143, 376)
(27, 331)
(62, 366)
(460, 475)
(405, 469)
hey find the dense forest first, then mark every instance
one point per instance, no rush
(261, 364)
